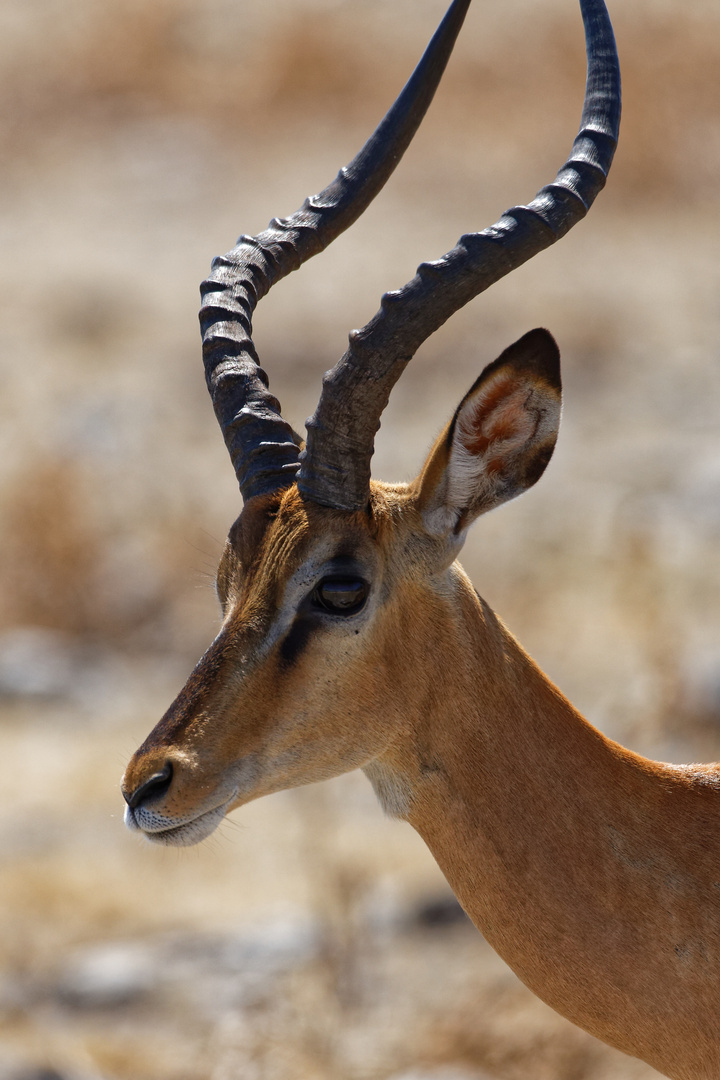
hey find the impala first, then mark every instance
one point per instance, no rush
(352, 638)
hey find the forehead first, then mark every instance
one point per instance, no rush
(281, 532)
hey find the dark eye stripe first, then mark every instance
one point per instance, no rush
(341, 595)
(296, 641)
(336, 595)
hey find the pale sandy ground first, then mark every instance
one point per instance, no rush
(139, 139)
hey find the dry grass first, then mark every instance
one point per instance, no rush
(241, 73)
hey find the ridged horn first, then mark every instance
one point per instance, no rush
(262, 445)
(335, 466)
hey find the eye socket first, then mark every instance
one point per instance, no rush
(341, 595)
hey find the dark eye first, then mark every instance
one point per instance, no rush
(342, 596)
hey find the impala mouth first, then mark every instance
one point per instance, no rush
(175, 833)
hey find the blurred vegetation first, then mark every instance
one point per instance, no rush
(139, 139)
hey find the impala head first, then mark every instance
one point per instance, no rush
(334, 587)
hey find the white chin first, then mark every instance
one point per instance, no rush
(183, 835)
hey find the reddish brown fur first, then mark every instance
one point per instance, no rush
(503, 417)
(595, 873)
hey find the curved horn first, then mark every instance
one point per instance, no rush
(261, 444)
(335, 466)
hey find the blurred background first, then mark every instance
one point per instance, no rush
(311, 938)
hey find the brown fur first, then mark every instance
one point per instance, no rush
(594, 872)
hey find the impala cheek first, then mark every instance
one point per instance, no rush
(246, 775)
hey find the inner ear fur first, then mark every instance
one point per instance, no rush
(500, 439)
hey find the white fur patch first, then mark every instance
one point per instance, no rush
(485, 432)
(505, 418)
(393, 793)
(175, 831)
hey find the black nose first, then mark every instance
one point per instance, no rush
(153, 788)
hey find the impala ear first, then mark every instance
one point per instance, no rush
(500, 439)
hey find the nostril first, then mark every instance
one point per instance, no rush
(152, 788)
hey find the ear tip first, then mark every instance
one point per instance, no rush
(543, 337)
(536, 353)
(541, 352)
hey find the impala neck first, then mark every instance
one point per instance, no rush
(584, 865)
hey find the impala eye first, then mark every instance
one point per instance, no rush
(341, 595)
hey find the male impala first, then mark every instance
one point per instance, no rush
(351, 637)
